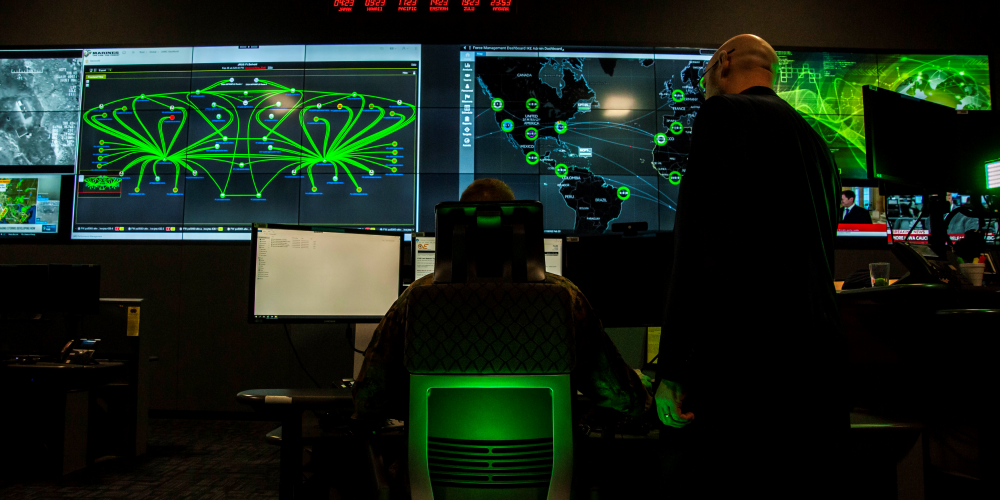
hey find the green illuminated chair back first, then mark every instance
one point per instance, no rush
(489, 349)
(490, 393)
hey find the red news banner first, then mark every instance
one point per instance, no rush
(431, 5)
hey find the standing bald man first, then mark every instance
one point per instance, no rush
(751, 335)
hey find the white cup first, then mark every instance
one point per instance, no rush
(973, 273)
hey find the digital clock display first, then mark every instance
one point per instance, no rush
(483, 6)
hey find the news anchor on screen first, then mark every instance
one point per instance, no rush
(851, 213)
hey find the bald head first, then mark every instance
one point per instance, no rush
(487, 190)
(742, 62)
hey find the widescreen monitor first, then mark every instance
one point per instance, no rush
(31, 206)
(424, 255)
(315, 274)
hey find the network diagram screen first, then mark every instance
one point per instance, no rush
(171, 143)
(198, 143)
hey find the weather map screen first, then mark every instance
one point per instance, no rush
(597, 135)
(29, 205)
(197, 143)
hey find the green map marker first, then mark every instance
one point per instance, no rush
(677, 95)
(660, 139)
(676, 128)
(674, 178)
(532, 104)
(531, 133)
(507, 125)
(623, 193)
(562, 170)
(496, 104)
(531, 158)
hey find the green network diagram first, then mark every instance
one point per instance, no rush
(349, 148)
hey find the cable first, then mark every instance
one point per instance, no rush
(350, 340)
(289, 336)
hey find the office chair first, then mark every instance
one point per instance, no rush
(489, 348)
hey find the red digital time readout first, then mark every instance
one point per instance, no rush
(374, 5)
(439, 6)
(470, 5)
(501, 5)
(407, 6)
(343, 5)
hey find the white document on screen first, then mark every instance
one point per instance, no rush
(302, 273)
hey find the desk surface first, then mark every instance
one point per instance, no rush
(50, 365)
(296, 398)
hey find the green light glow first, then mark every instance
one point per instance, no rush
(825, 88)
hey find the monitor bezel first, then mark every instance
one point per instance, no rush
(254, 319)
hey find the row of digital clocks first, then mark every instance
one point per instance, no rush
(480, 6)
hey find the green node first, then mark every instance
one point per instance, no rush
(677, 95)
(394, 160)
(265, 137)
(371, 172)
(623, 193)
(101, 142)
(258, 195)
(335, 178)
(354, 94)
(213, 104)
(314, 189)
(124, 108)
(216, 145)
(294, 172)
(531, 133)
(395, 152)
(271, 116)
(676, 128)
(674, 178)
(175, 190)
(661, 139)
(136, 190)
(218, 116)
(241, 165)
(278, 104)
(562, 170)
(245, 92)
(393, 169)
(293, 91)
(392, 113)
(142, 96)
(269, 147)
(100, 158)
(315, 118)
(531, 104)
(561, 127)
(157, 178)
(358, 190)
(531, 158)
(194, 173)
(101, 106)
(507, 125)
(104, 115)
(394, 143)
(100, 150)
(223, 195)
(496, 104)
(197, 91)
(171, 108)
(318, 105)
(225, 138)
(371, 106)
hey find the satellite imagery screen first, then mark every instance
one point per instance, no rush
(39, 110)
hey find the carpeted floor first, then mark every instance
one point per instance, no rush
(186, 459)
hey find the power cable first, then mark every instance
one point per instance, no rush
(294, 350)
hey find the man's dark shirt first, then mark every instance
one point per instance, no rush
(857, 215)
(383, 387)
(752, 304)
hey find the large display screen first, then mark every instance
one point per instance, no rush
(200, 142)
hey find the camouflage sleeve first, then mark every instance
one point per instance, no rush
(382, 389)
(601, 373)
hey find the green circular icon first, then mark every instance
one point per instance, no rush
(531, 133)
(531, 158)
(674, 178)
(532, 104)
(258, 195)
(225, 138)
(676, 128)
(661, 139)
(496, 104)
(677, 95)
(393, 169)
(136, 190)
(562, 170)
(270, 116)
(561, 127)
(623, 193)
(102, 142)
(394, 144)
(244, 92)
(157, 178)
(507, 125)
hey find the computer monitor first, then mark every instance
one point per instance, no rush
(321, 274)
(423, 261)
(961, 147)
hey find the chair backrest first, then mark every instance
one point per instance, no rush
(490, 396)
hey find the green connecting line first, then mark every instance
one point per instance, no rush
(348, 131)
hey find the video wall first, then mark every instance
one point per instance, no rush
(200, 142)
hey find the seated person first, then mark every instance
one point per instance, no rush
(382, 389)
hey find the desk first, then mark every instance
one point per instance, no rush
(287, 406)
(54, 403)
